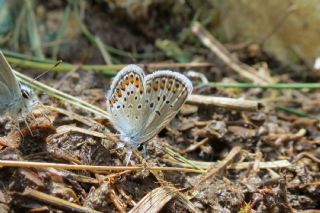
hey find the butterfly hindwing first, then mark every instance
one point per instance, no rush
(166, 91)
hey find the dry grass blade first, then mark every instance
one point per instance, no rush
(154, 200)
(216, 47)
(12, 163)
(215, 170)
(187, 203)
(54, 201)
(61, 130)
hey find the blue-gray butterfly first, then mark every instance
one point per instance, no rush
(141, 106)
(15, 99)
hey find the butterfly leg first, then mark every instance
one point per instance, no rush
(128, 156)
(42, 112)
(17, 127)
(26, 123)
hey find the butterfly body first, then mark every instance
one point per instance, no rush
(141, 106)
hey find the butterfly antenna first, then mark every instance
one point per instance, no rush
(54, 66)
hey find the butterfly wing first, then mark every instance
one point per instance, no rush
(7, 78)
(9, 89)
(166, 91)
(125, 100)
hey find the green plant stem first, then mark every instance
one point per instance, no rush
(181, 158)
(107, 69)
(266, 86)
(292, 111)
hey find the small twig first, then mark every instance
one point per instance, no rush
(116, 201)
(228, 103)
(215, 170)
(279, 139)
(217, 48)
(195, 146)
(55, 201)
(306, 155)
(128, 198)
(9, 163)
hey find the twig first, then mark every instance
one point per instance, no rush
(306, 155)
(55, 201)
(29, 164)
(116, 201)
(228, 103)
(217, 48)
(195, 146)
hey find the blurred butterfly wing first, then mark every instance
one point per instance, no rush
(4, 98)
(125, 100)
(8, 79)
(166, 91)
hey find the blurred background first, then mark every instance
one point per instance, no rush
(282, 34)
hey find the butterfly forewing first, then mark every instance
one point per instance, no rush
(126, 100)
(166, 91)
(9, 85)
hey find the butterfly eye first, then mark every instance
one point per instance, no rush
(25, 94)
(140, 147)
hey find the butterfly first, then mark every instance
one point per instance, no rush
(15, 99)
(141, 106)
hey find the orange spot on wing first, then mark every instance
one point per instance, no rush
(126, 80)
(131, 78)
(112, 101)
(155, 85)
(118, 93)
(137, 82)
(162, 83)
(122, 86)
(169, 84)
